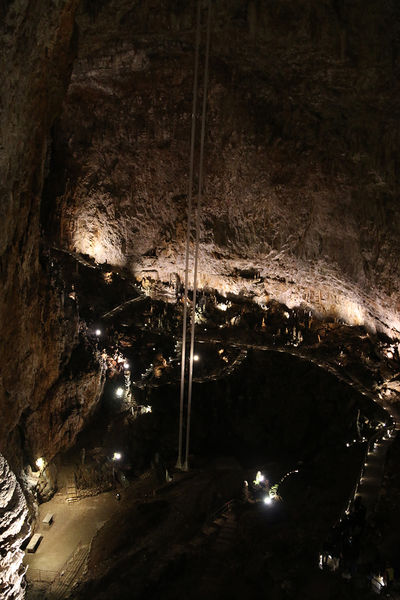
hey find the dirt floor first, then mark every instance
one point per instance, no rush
(74, 524)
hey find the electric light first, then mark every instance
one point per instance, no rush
(117, 456)
(126, 365)
(146, 409)
(259, 478)
(98, 332)
(119, 392)
(348, 445)
(196, 357)
(267, 500)
(40, 463)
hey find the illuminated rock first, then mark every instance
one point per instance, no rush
(298, 205)
(13, 531)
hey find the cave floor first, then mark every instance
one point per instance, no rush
(74, 525)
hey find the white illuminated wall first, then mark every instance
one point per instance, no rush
(14, 529)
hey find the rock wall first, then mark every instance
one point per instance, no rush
(63, 413)
(301, 153)
(14, 530)
(38, 46)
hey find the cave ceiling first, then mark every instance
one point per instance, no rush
(301, 169)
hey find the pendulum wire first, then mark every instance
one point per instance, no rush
(189, 218)
(196, 255)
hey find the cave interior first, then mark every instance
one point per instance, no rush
(200, 283)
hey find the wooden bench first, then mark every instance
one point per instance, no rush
(34, 542)
(48, 520)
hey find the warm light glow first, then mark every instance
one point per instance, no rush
(98, 332)
(196, 357)
(351, 312)
(222, 306)
(267, 500)
(40, 463)
(117, 456)
(119, 392)
(259, 478)
(147, 409)
(126, 365)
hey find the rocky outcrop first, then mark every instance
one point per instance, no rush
(13, 532)
(301, 171)
(38, 42)
(58, 420)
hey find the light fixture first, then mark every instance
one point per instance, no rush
(267, 500)
(119, 392)
(98, 332)
(117, 456)
(126, 366)
(196, 357)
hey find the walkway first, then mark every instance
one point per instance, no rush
(371, 481)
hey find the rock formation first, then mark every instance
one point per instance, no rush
(301, 174)
(300, 197)
(13, 532)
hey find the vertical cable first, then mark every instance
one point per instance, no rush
(189, 219)
(196, 254)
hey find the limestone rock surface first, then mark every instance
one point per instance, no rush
(301, 168)
(36, 336)
(14, 530)
(61, 416)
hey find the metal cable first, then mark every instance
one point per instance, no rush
(196, 254)
(188, 227)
